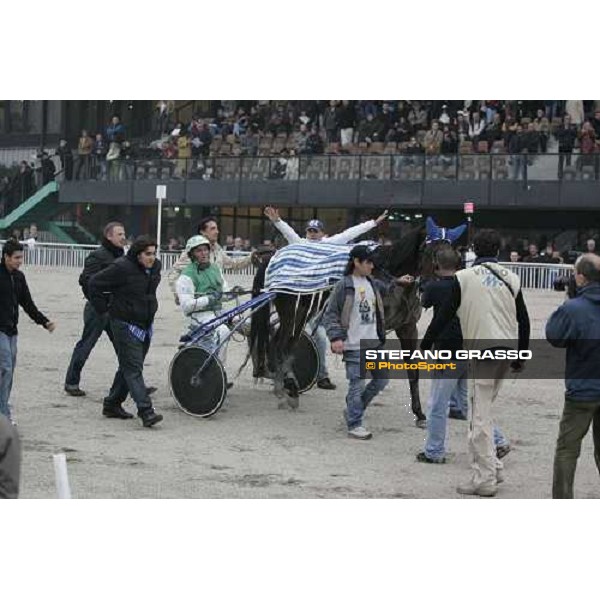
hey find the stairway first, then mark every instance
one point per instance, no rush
(70, 232)
(39, 209)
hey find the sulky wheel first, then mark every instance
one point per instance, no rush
(305, 363)
(198, 381)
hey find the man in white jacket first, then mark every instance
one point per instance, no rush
(315, 232)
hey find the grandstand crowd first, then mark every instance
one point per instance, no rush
(427, 132)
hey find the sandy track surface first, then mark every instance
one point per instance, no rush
(251, 449)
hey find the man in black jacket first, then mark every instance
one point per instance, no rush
(94, 324)
(14, 292)
(566, 135)
(132, 281)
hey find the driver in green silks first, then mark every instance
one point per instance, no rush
(202, 290)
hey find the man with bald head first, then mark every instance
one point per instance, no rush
(576, 326)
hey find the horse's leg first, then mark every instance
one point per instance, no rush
(408, 336)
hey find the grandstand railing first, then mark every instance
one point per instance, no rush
(373, 166)
(532, 275)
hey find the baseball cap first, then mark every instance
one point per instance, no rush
(362, 252)
(315, 224)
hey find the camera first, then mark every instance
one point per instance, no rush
(566, 283)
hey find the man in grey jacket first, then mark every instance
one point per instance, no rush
(355, 313)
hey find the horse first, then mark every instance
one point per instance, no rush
(413, 254)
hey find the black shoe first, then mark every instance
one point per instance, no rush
(502, 451)
(325, 384)
(150, 390)
(150, 418)
(422, 457)
(229, 385)
(456, 414)
(115, 411)
(74, 390)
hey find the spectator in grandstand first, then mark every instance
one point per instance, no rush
(112, 160)
(115, 132)
(249, 142)
(413, 154)
(516, 147)
(574, 109)
(462, 126)
(301, 139)
(240, 127)
(347, 122)
(184, 154)
(566, 135)
(576, 326)
(173, 245)
(433, 139)
(476, 127)
(238, 244)
(293, 166)
(22, 185)
(417, 117)
(449, 145)
(514, 256)
(48, 168)
(330, 122)
(30, 236)
(444, 118)
(542, 127)
(489, 304)
(65, 154)
(493, 130)
(247, 247)
(314, 143)
(587, 145)
(370, 130)
(386, 119)
(531, 141)
(162, 111)
(596, 123)
(204, 140)
(399, 133)
(85, 147)
(99, 151)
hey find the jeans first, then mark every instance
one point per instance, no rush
(449, 390)
(359, 396)
(320, 339)
(93, 327)
(131, 353)
(8, 362)
(575, 423)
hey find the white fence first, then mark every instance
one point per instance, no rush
(73, 256)
(532, 275)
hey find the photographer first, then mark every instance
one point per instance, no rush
(576, 326)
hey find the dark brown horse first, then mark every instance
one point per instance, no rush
(402, 312)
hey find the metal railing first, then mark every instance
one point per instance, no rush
(73, 256)
(532, 275)
(339, 167)
(535, 276)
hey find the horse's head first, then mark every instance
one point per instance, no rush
(436, 238)
(401, 257)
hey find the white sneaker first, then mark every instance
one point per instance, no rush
(360, 433)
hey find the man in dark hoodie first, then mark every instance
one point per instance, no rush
(14, 292)
(576, 326)
(94, 325)
(131, 281)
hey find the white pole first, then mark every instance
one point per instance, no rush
(161, 194)
(61, 476)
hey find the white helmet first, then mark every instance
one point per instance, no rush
(194, 242)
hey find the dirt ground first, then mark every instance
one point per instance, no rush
(251, 449)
